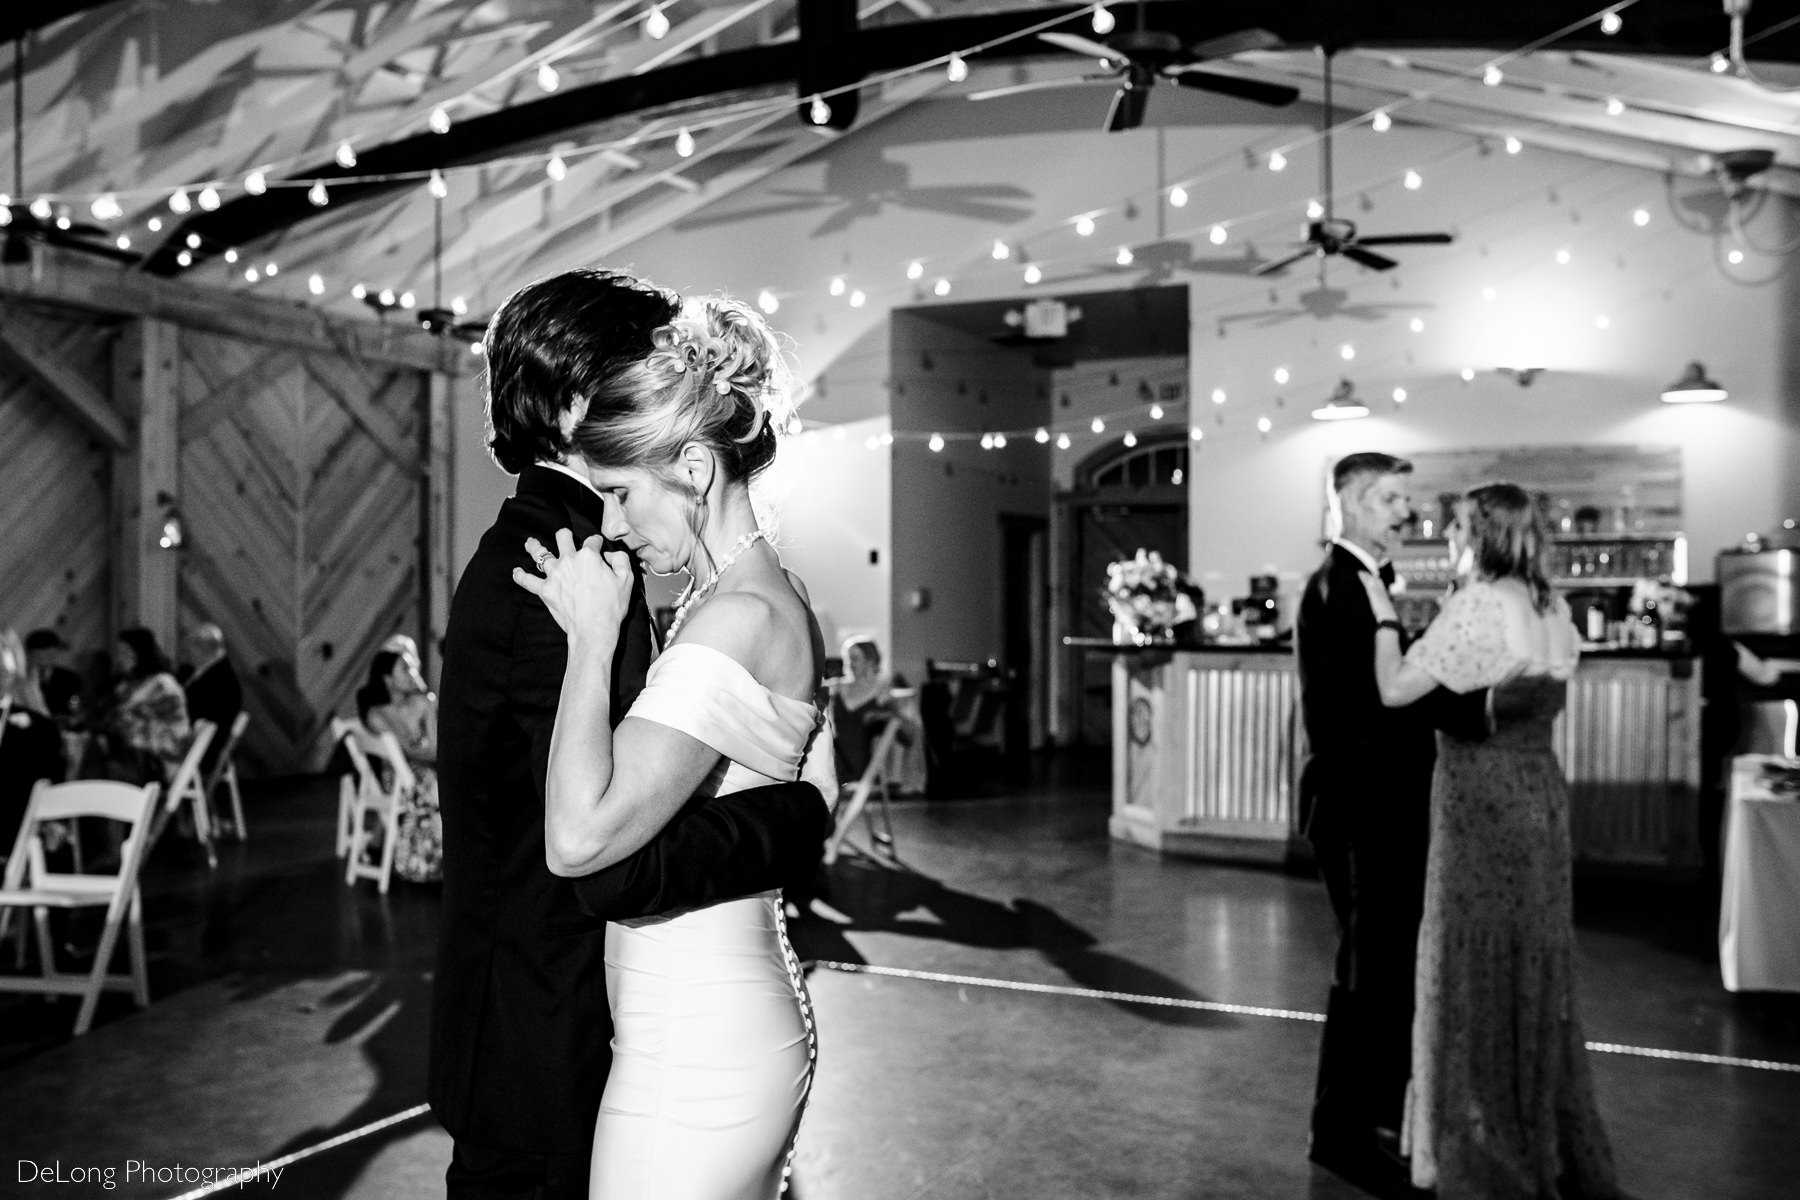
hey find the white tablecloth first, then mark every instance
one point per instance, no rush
(1759, 913)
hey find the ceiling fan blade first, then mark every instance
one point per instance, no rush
(1407, 239)
(1368, 258)
(1040, 85)
(1127, 111)
(1241, 42)
(1276, 94)
(1282, 264)
(1081, 45)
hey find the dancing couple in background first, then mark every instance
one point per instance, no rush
(1453, 1057)
(618, 822)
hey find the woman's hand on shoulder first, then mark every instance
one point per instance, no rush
(1380, 603)
(586, 591)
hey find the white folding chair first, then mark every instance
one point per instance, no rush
(186, 788)
(367, 798)
(29, 884)
(224, 774)
(854, 798)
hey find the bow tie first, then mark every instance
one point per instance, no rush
(1386, 572)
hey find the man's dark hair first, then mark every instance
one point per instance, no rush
(45, 639)
(1366, 465)
(150, 658)
(557, 339)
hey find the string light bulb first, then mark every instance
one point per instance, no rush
(766, 301)
(836, 287)
(1195, 433)
(941, 287)
(1001, 250)
(178, 203)
(1413, 181)
(106, 208)
(1041, 436)
(231, 255)
(1218, 235)
(1218, 395)
(1614, 106)
(1084, 227)
(407, 300)
(315, 284)
(358, 291)
(1563, 257)
(346, 155)
(1603, 322)
(1123, 258)
(459, 306)
(684, 143)
(1130, 439)
(1399, 395)
(1263, 425)
(1098, 425)
(1417, 325)
(386, 297)
(1735, 257)
(122, 242)
(1156, 412)
(251, 275)
(1346, 352)
(1513, 144)
(999, 441)
(1281, 375)
(1720, 64)
(1314, 210)
(936, 443)
(271, 270)
(1468, 374)
(256, 183)
(193, 241)
(154, 224)
(548, 78)
(184, 259)
(858, 298)
(1381, 122)
(1103, 20)
(1493, 76)
(1062, 441)
(439, 121)
(1032, 274)
(915, 269)
(957, 68)
(656, 24)
(987, 441)
(317, 194)
(820, 112)
(437, 186)
(1640, 217)
(1278, 161)
(1611, 22)
(556, 168)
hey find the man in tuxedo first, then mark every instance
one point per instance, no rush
(520, 1025)
(212, 687)
(61, 687)
(1365, 796)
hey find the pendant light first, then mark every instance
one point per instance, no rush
(1693, 388)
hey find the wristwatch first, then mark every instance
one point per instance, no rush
(1392, 624)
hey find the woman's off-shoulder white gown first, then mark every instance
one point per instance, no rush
(713, 1041)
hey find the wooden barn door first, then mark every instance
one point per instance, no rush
(56, 476)
(301, 489)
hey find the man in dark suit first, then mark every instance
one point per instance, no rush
(60, 686)
(212, 687)
(1365, 797)
(520, 1025)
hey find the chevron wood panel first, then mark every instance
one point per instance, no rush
(55, 552)
(303, 530)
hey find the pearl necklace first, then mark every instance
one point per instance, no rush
(695, 594)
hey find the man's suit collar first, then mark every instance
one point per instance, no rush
(1357, 555)
(558, 487)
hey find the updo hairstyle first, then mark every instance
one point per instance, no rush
(716, 375)
(1508, 537)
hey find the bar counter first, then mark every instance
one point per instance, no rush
(1208, 743)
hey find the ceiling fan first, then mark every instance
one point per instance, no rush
(39, 222)
(1137, 58)
(1332, 235)
(446, 322)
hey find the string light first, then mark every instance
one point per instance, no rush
(1720, 64)
(999, 441)
(1195, 433)
(231, 255)
(1098, 425)
(1346, 352)
(209, 198)
(987, 441)
(315, 284)
(1062, 441)
(1178, 196)
(957, 69)
(1085, 227)
(684, 143)
(1488, 293)
(1032, 274)
(1417, 325)
(437, 187)
(1041, 436)
(766, 301)
(256, 183)
(1735, 257)
(1640, 217)
(1413, 181)
(178, 202)
(1278, 161)
(1103, 20)
(1513, 144)
(386, 298)
(193, 241)
(251, 275)
(1562, 258)
(820, 112)
(317, 194)
(915, 269)
(936, 444)
(1123, 258)
(657, 26)
(858, 298)
(106, 208)
(1281, 375)
(271, 270)
(1001, 250)
(1263, 425)
(1614, 106)
(359, 292)
(1314, 210)
(547, 78)
(407, 299)
(836, 287)
(1156, 412)
(1218, 395)
(1611, 22)
(1468, 374)
(1493, 76)
(1399, 395)
(154, 224)
(941, 287)
(1381, 122)
(439, 121)
(63, 222)
(556, 168)
(1218, 235)
(122, 242)
(459, 306)
(184, 259)
(346, 155)
(1130, 439)
(1603, 322)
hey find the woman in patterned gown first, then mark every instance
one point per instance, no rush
(1501, 1103)
(713, 1033)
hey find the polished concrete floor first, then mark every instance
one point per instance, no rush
(290, 1010)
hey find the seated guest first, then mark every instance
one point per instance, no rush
(859, 706)
(211, 685)
(59, 686)
(395, 701)
(30, 742)
(146, 727)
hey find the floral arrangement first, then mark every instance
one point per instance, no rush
(1148, 596)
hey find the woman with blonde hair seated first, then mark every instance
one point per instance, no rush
(1501, 1101)
(395, 701)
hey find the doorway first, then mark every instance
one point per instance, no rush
(1025, 633)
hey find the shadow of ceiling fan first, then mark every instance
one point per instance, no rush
(1138, 58)
(39, 221)
(1332, 235)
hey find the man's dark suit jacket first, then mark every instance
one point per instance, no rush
(520, 1025)
(214, 694)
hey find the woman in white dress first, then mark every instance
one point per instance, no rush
(713, 1041)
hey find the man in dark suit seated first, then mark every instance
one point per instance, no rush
(60, 687)
(211, 683)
